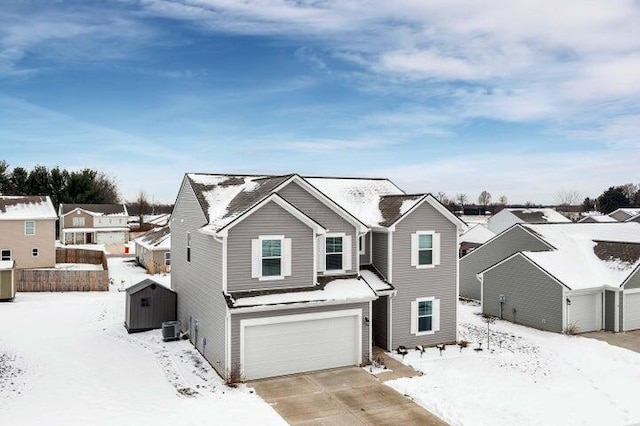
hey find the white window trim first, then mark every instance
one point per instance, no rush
(10, 255)
(346, 241)
(435, 250)
(362, 245)
(188, 254)
(435, 316)
(34, 227)
(165, 258)
(285, 257)
(79, 223)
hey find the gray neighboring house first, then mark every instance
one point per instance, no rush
(283, 274)
(588, 280)
(508, 217)
(625, 213)
(635, 218)
(599, 218)
(474, 237)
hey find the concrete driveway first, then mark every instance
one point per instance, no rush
(344, 396)
(628, 339)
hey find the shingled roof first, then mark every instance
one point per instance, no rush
(157, 239)
(97, 209)
(26, 207)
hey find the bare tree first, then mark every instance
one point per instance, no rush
(568, 197)
(484, 199)
(630, 190)
(142, 204)
(503, 200)
(461, 198)
(442, 197)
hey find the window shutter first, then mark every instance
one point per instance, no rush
(436, 249)
(435, 320)
(256, 259)
(322, 260)
(414, 249)
(346, 252)
(414, 317)
(286, 257)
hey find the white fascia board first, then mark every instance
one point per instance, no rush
(337, 208)
(584, 291)
(636, 270)
(290, 208)
(300, 305)
(511, 228)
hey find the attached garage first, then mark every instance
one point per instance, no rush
(289, 344)
(110, 237)
(631, 317)
(585, 312)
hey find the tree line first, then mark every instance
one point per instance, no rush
(86, 186)
(627, 195)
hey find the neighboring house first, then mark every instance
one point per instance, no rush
(635, 218)
(27, 237)
(510, 216)
(153, 249)
(625, 213)
(588, 279)
(284, 274)
(597, 218)
(474, 237)
(93, 223)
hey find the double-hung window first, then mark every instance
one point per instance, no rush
(425, 315)
(333, 250)
(167, 258)
(29, 227)
(78, 221)
(425, 249)
(271, 258)
(188, 246)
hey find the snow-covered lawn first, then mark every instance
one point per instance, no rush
(528, 377)
(66, 359)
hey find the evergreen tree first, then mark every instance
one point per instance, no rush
(612, 199)
(18, 182)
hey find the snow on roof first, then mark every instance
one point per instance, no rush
(538, 215)
(342, 290)
(589, 255)
(374, 280)
(72, 230)
(477, 234)
(225, 197)
(26, 207)
(361, 197)
(157, 239)
(631, 211)
(157, 219)
(600, 218)
(6, 264)
(115, 209)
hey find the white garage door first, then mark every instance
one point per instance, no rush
(586, 312)
(110, 238)
(631, 314)
(291, 344)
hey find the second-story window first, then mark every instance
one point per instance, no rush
(271, 258)
(5, 254)
(334, 253)
(29, 227)
(78, 221)
(425, 249)
(188, 246)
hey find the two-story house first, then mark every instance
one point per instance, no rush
(93, 223)
(284, 274)
(27, 237)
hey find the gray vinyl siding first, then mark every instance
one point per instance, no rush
(236, 318)
(162, 308)
(365, 259)
(535, 296)
(322, 214)
(199, 282)
(620, 216)
(609, 310)
(380, 255)
(379, 319)
(501, 247)
(633, 281)
(621, 311)
(412, 283)
(271, 219)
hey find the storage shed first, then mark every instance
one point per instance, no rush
(148, 305)
(7, 283)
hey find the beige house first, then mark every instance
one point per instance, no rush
(27, 237)
(93, 223)
(153, 250)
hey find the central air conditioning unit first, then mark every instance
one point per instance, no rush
(170, 330)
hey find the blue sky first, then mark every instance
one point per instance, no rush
(523, 99)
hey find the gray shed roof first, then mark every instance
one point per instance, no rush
(144, 284)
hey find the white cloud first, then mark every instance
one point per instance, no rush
(326, 145)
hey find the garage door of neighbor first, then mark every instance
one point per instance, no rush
(586, 312)
(110, 238)
(631, 314)
(291, 344)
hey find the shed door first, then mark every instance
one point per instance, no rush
(291, 344)
(586, 312)
(110, 238)
(631, 314)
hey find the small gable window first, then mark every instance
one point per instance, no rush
(271, 257)
(334, 253)
(29, 227)
(145, 302)
(425, 249)
(78, 220)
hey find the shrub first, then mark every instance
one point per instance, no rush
(234, 377)
(572, 329)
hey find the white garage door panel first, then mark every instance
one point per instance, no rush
(631, 314)
(586, 312)
(297, 346)
(110, 238)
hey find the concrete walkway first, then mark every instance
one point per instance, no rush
(628, 339)
(344, 396)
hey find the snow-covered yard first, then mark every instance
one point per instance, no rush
(528, 377)
(66, 359)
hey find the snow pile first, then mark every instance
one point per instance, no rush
(336, 290)
(360, 197)
(73, 363)
(525, 377)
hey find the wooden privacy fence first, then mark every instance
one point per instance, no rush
(67, 280)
